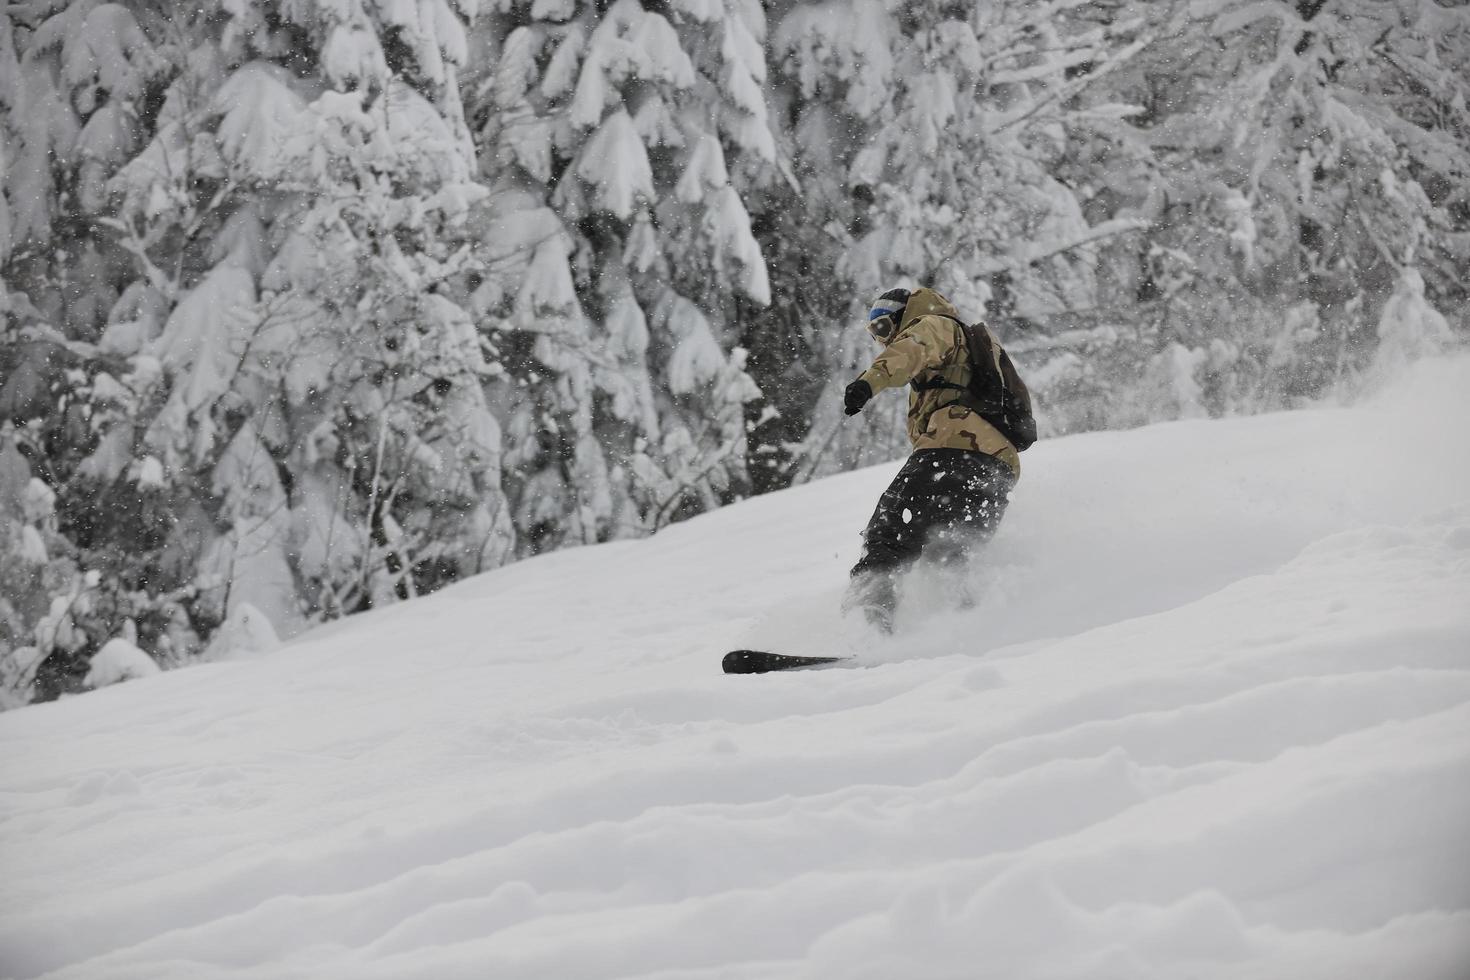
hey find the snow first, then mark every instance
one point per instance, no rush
(248, 631)
(119, 660)
(615, 165)
(1410, 328)
(1210, 719)
(260, 113)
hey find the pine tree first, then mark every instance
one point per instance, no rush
(79, 88)
(346, 363)
(622, 256)
(268, 395)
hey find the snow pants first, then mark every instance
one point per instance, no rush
(942, 505)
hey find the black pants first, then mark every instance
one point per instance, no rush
(941, 506)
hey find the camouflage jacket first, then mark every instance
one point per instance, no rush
(929, 346)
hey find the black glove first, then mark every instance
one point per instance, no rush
(856, 396)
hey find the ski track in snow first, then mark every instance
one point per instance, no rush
(1210, 719)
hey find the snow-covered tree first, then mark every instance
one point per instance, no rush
(326, 344)
(614, 138)
(80, 86)
(271, 353)
(1305, 160)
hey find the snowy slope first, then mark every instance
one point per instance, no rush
(1211, 720)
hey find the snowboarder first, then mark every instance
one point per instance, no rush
(951, 493)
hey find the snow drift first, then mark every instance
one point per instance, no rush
(1210, 719)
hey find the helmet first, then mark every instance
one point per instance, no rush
(886, 314)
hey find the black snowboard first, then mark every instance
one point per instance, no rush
(761, 662)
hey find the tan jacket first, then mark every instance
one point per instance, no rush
(929, 345)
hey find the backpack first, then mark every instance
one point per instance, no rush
(996, 392)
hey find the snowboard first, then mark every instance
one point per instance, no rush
(762, 662)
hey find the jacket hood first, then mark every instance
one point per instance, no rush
(927, 302)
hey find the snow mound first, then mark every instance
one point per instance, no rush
(246, 632)
(118, 661)
(1210, 718)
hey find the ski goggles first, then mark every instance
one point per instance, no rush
(883, 321)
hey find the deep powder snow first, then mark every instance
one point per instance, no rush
(1210, 719)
